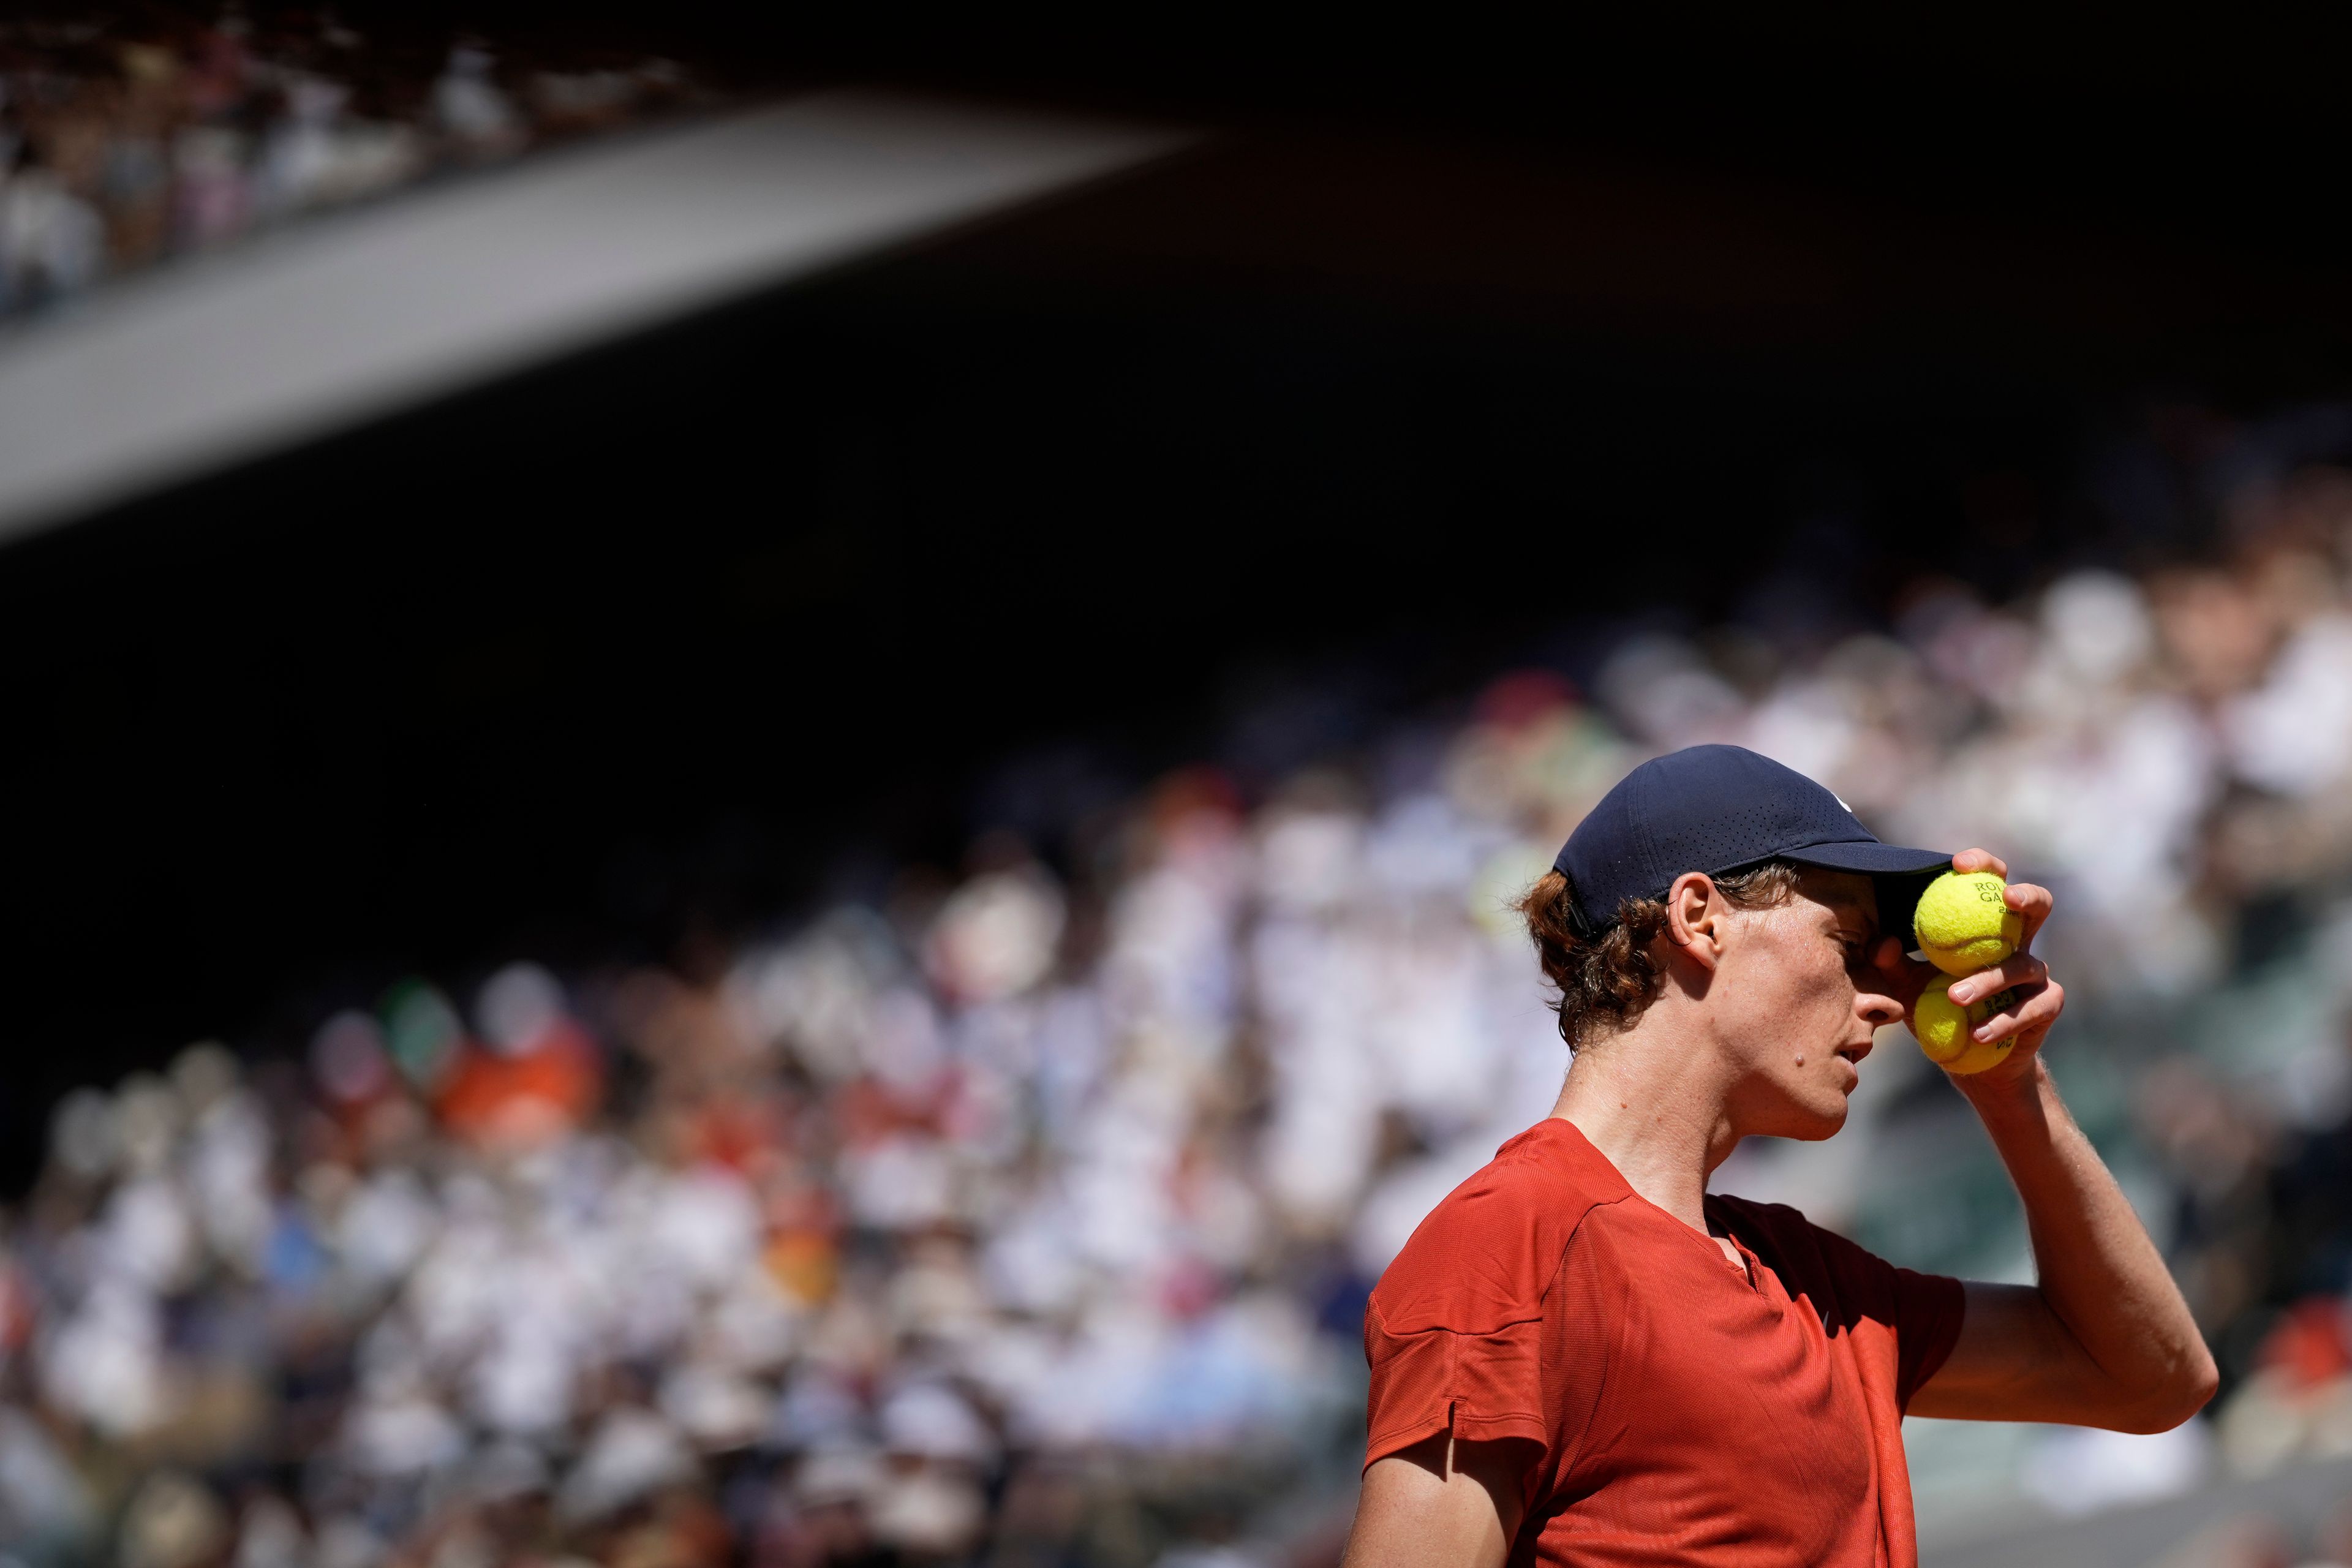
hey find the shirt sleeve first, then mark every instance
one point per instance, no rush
(1929, 1308)
(1477, 1385)
(1454, 1330)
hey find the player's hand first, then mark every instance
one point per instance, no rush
(1900, 976)
(2038, 998)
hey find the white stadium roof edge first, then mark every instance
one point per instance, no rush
(340, 319)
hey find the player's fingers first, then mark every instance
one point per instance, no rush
(1896, 969)
(1979, 860)
(2018, 969)
(1887, 966)
(2032, 901)
(2033, 1015)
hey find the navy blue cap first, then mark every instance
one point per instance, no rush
(1716, 809)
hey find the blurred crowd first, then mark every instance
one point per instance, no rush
(168, 130)
(1025, 1217)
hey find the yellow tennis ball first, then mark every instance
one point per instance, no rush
(1941, 1026)
(1963, 926)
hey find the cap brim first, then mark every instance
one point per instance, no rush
(1872, 859)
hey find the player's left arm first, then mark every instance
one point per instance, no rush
(2103, 1339)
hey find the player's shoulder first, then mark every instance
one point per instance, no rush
(1776, 1218)
(1485, 1256)
(1780, 1222)
(1790, 1241)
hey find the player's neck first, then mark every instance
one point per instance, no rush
(1655, 1107)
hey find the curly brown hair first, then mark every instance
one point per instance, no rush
(1607, 980)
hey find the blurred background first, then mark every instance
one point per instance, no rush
(762, 770)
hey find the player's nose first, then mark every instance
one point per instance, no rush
(1877, 1009)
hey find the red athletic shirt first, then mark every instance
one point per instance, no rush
(1682, 1410)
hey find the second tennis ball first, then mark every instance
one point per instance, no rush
(1963, 925)
(1941, 1026)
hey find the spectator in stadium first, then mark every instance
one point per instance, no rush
(175, 128)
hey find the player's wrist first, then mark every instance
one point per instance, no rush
(2013, 1091)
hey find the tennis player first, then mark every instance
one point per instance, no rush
(1584, 1357)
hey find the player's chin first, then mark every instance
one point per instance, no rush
(1817, 1127)
(1821, 1111)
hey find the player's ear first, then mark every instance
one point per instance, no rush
(1696, 917)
